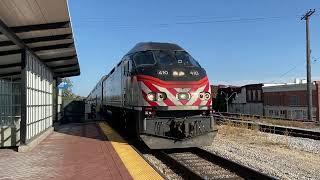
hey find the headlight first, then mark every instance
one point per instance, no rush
(183, 96)
(201, 96)
(204, 96)
(181, 73)
(161, 96)
(151, 96)
(178, 73)
(207, 96)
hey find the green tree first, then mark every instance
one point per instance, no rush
(67, 92)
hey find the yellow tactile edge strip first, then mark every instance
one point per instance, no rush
(135, 164)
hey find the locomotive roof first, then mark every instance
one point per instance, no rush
(145, 46)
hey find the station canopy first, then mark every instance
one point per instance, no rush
(41, 26)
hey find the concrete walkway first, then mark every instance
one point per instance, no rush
(75, 151)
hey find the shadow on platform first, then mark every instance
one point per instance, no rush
(77, 122)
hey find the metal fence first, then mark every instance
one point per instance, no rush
(10, 112)
(10, 103)
(39, 97)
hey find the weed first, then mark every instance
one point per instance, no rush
(252, 136)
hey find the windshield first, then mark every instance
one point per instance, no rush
(144, 58)
(181, 58)
(186, 59)
(164, 58)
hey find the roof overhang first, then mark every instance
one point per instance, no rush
(42, 27)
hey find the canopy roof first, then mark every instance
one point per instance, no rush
(42, 27)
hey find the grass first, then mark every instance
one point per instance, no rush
(249, 136)
(281, 122)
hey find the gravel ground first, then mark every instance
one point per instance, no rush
(204, 167)
(282, 156)
(164, 169)
(316, 129)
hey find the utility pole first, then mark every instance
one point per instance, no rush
(226, 97)
(309, 83)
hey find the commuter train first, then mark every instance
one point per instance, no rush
(162, 94)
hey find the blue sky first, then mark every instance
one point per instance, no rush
(237, 42)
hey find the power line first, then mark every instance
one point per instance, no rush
(113, 22)
(315, 59)
(282, 75)
(294, 67)
(194, 22)
(188, 17)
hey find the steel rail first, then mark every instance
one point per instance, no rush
(241, 170)
(227, 168)
(239, 115)
(275, 129)
(173, 163)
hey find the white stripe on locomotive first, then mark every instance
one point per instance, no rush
(195, 95)
(174, 100)
(146, 90)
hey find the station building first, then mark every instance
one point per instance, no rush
(36, 50)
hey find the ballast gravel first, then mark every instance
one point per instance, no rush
(163, 168)
(277, 155)
(203, 167)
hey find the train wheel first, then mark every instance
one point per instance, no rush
(130, 123)
(122, 120)
(115, 119)
(118, 119)
(139, 117)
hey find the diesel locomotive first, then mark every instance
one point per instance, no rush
(162, 94)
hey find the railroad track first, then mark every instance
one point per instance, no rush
(249, 116)
(196, 163)
(282, 130)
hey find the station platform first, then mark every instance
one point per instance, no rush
(90, 150)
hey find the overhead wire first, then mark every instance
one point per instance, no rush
(314, 60)
(205, 20)
(282, 75)
(295, 66)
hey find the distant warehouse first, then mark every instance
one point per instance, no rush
(288, 100)
(249, 100)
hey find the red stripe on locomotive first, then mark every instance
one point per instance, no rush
(169, 86)
(167, 101)
(173, 84)
(150, 102)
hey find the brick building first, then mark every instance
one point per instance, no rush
(290, 100)
(287, 101)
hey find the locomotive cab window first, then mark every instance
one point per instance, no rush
(186, 58)
(180, 58)
(144, 58)
(127, 67)
(164, 57)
